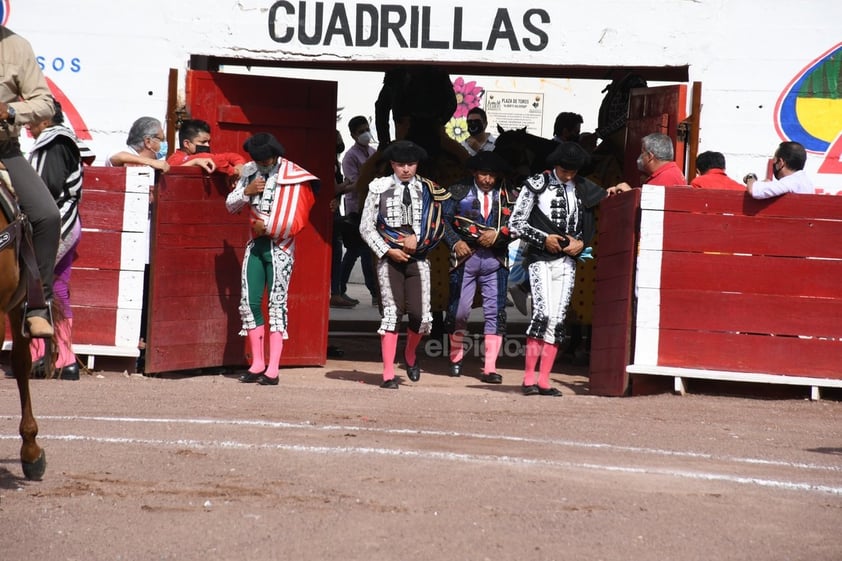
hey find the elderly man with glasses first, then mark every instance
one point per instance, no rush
(145, 146)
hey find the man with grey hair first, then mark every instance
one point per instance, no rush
(656, 160)
(145, 146)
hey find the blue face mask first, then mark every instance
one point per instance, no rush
(162, 151)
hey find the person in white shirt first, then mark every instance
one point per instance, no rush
(788, 169)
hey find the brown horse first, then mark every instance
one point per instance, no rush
(524, 152)
(14, 237)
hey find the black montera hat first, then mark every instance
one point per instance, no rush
(569, 155)
(404, 152)
(488, 161)
(263, 146)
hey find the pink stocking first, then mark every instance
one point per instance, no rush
(65, 350)
(276, 347)
(388, 348)
(492, 349)
(533, 353)
(456, 349)
(256, 345)
(412, 340)
(36, 348)
(547, 359)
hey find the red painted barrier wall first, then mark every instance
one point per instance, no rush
(196, 256)
(733, 288)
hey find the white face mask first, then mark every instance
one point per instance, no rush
(265, 170)
(365, 138)
(640, 165)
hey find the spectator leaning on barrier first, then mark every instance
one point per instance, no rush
(711, 169)
(656, 159)
(788, 169)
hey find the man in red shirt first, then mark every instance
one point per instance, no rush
(711, 169)
(656, 159)
(194, 137)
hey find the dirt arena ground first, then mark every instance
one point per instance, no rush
(327, 466)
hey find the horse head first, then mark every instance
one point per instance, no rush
(525, 152)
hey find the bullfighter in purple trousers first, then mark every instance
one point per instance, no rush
(476, 229)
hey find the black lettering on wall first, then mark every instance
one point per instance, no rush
(338, 25)
(413, 27)
(540, 34)
(387, 25)
(273, 18)
(458, 42)
(367, 18)
(426, 42)
(502, 29)
(316, 37)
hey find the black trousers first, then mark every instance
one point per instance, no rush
(39, 206)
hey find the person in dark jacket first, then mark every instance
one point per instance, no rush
(477, 231)
(554, 215)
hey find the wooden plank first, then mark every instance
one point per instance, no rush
(94, 325)
(711, 201)
(218, 259)
(750, 353)
(201, 305)
(610, 336)
(759, 235)
(294, 117)
(94, 287)
(194, 236)
(725, 375)
(99, 250)
(612, 313)
(754, 274)
(195, 331)
(179, 356)
(755, 313)
(102, 210)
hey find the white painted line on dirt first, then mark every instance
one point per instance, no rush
(454, 434)
(467, 458)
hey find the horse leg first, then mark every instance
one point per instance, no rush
(32, 457)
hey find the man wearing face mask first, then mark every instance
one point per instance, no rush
(145, 146)
(355, 247)
(656, 159)
(194, 136)
(479, 140)
(278, 195)
(788, 169)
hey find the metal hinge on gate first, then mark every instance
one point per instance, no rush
(683, 133)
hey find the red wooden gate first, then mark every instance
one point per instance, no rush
(651, 110)
(197, 248)
(659, 109)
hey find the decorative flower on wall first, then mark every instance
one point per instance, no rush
(468, 96)
(457, 129)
